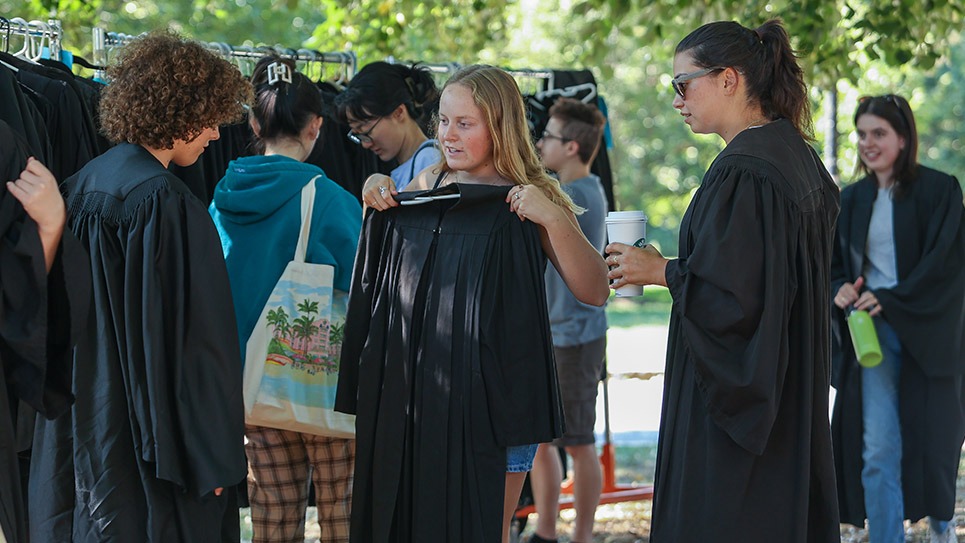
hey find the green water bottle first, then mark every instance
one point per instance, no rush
(864, 337)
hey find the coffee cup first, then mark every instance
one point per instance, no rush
(629, 227)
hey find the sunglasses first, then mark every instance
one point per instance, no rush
(679, 83)
(363, 137)
(891, 99)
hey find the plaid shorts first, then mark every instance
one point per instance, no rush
(281, 463)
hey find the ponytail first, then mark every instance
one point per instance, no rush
(379, 88)
(781, 88)
(285, 100)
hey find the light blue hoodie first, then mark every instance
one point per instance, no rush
(257, 210)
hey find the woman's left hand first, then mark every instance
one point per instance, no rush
(867, 301)
(631, 265)
(529, 203)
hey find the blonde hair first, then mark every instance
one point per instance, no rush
(495, 93)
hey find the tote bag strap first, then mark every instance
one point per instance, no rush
(308, 204)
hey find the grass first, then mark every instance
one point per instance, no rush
(653, 308)
(635, 464)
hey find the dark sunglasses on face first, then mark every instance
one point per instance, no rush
(679, 83)
(363, 137)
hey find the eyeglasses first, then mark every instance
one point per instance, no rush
(364, 137)
(548, 136)
(679, 83)
(891, 99)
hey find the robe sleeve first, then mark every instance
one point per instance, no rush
(927, 307)
(840, 340)
(183, 351)
(40, 312)
(518, 368)
(358, 316)
(732, 293)
(45, 383)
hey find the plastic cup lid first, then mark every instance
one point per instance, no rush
(615, 216)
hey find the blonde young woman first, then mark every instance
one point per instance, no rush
(452, 290)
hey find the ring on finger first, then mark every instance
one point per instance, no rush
(381, 190)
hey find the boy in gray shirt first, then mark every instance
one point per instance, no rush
(568, 145)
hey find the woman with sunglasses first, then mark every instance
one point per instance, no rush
(899, 253)
(386, 106)
(745, 445)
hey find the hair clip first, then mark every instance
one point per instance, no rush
(279, 71)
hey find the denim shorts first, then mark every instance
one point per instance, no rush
(519, 459)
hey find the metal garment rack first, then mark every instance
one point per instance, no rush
(105, 41)
(38, 37)
(449, 68)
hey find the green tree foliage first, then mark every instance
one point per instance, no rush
(440, 30)
(836, 37)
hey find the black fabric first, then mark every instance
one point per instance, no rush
(927, 310)
(158, 420)
(70, 125)
(40, 315)
(202, 176)
(22, 115)
(745, 445)
(447, 360)
(571, 78)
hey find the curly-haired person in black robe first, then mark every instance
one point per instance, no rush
(154, 442)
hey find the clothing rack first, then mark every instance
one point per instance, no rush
(40, 39)
(346, 61)
(449, 68)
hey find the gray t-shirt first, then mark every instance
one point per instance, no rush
(880, 265)
(573, 322)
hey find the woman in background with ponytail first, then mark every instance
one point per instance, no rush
(386, 105)
(257, 210)
(745, 444)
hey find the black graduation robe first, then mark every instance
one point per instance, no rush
(744, 451)
(927, 311)
(447, 360)
(157, 423)
(40, 314)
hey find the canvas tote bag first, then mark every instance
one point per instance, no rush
(292, 356)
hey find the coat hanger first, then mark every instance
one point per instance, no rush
(23, 30)
(40, 43)
(570, 92)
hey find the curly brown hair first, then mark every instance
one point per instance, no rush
(164, 88)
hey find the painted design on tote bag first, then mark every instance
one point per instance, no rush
(306, 326)
(302, 337)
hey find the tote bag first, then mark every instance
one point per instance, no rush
(292, 356)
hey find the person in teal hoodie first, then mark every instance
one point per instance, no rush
(257, 210)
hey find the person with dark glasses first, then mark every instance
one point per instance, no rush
(899, 254)
(387, 107)
(745, 444)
